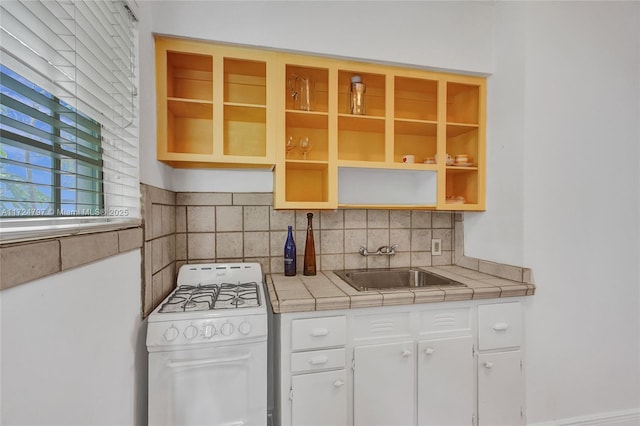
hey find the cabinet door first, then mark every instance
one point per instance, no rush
(384, 385)
(445, 381)
(500, 389)
(319, 399)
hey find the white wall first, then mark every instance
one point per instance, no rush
(70, 347)
(581, 216)
(563, 193)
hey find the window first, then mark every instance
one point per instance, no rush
(68, 118)
(51, 156)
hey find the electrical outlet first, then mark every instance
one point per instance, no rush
(436, 246)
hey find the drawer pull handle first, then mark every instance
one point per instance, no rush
(406, 353)
(429, 351)
(500, 326)
(488, 364)
(319, 332)
(319, 360)
(338, 383)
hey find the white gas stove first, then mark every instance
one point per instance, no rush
(207, 344)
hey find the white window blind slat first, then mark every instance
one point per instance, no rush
(81, 54)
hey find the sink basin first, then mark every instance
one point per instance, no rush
(387, 278)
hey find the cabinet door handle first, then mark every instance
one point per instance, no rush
(318, 332)
(500, 326)
(405, 353)
(429, 351)
(338, 383)
(488, 364)
(319, 360)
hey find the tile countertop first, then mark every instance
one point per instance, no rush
(326, 291)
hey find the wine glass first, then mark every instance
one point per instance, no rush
(291, 145)
(305, 146)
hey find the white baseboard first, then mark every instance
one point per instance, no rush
(616, 418)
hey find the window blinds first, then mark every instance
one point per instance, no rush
(81, 55)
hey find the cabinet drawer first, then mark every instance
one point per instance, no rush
(444, 320)
(499, 326)
(318, 333)
(317, 360)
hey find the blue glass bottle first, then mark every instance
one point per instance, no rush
(290, 255)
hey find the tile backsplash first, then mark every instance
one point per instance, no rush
(188, 227)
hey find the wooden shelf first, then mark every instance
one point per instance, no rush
(416, 99)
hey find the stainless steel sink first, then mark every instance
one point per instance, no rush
(388, 278)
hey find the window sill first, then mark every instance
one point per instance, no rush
(29, 259)
(22, 230)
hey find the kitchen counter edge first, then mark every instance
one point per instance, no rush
(326, 291)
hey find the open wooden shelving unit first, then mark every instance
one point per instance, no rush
(226, 106)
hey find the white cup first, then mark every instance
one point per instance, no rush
(408, 159)
(462, 159)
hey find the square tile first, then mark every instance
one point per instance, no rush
(256, 218)
(377, 238)
(331, 262)
(353, 239)
(421, 240)
(355, 219)
(256, 244)
(420, 258)
(280, 219)
(420, 219)
(201, 219)
(445, 235)
(228, 218)
(378, 219)
(401, 238)
(229, 245)
(400, 219)
(181, 246)
(301, 219)
(400, 260)
(181, 219)
(331, 219)
(331, 241)
(156, 220)
(201, 246)
(441, 220)
(354, 261)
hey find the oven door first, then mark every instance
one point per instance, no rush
(213, 386)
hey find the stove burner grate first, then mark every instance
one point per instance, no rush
(237, 295)
(203, 297)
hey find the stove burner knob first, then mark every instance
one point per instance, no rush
(244, 328)
(227, 328)
(190, 332)
(209, 331)
(171, 334)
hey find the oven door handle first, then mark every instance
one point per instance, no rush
(208, 361)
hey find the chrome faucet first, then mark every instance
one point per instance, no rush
(382, 250)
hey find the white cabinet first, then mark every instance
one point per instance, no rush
(500, 376)
(317, 391)
(442, 364)
(500, 389)
(383, 384)
(445, 381)
(319, 399)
